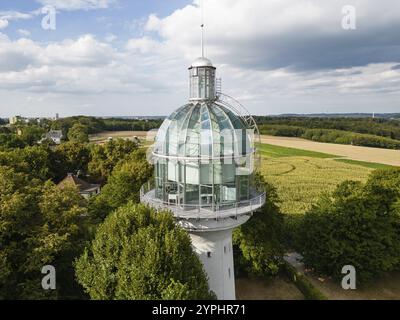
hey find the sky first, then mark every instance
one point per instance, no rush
(130, 57)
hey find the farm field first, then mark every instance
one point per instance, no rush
(366, 154)
(301, 176)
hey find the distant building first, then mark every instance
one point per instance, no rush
(54, 135)
(14, 120)
(86, 189)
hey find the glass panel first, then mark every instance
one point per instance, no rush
(206, 173)
(206, 196)
(191, 194)
(243, 186)
(193, 134)
(205, 134)
(192, 173)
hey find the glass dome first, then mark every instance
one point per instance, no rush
(204, 157)
(206, 131)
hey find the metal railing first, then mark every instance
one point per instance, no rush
(208, 210)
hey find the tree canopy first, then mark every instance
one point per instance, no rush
(39, 225)
(139, 253)
(78, 133)
(358, 225)
(122, 186)
(260, 239)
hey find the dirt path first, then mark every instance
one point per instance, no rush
(377, 155)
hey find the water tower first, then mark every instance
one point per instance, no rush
(203, 159)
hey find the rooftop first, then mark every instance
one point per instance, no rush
(82, 185)
(201, 62)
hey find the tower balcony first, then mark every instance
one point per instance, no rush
(206, 210)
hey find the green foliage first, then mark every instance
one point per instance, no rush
(303, 284)
(39, 225)
(358, 225)
(123, 185)
(96, 125)
(291, 124)
(78, 133)
(31, 134)
(11, 140)
(105, 157)
(139, 253)
(260, 239)
(33, 161)
(357, 139)
(69, 157)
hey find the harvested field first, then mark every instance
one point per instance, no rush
(376, 155)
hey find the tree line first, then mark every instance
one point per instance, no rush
(377, 132)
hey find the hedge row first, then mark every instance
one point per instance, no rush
(303, 284)
(332, 136)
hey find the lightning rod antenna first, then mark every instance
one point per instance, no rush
(202, 27)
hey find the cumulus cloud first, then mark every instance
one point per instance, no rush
(77, 66)
(301, 34)
(3, 23)
(274, 56)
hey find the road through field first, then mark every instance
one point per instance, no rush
(377, 155)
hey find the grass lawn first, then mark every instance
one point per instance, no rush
(386, 287)
(301, 176)
(272, 151)
(276, 288)
(365, 164)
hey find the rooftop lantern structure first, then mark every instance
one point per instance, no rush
(204, 166)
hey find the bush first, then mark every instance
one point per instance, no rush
(303, 284)
(358, 225)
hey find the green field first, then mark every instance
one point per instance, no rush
(301, 176)
(271, 151)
